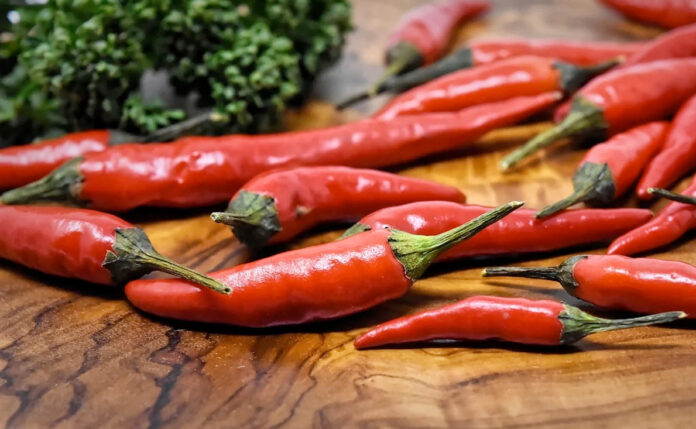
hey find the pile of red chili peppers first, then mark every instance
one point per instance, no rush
(638, 100)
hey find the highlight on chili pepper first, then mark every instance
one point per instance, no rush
(641, 285)
(277, 206)
(315, 283)
(665, 13)
(514, 320)
(85, 244)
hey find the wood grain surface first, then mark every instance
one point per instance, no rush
(75, 355)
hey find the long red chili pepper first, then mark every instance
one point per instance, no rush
(279, 205)
(678, 156)
(665, 13)
(518, 233)
(641, 285)
(670, 224)
(490, 83)
(315, 283)
(515, 320)
(610, 168)
(619, 100)
(84, 244)
(200, 171)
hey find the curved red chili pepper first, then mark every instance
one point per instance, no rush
(277, 206)
(619, 100)
(520, 232)
(315, 283)
(609, 169)
(641, 285)
(490, 83)
(678, 157)
(665, 13)
(199, 171)
(84, 244)
(515, 320)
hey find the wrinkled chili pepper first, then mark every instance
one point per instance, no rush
(619, 100)
(277, 206)
(670, 224)
(665, 13)
(199, 171)
(609, 169)
(315, 283)
(518, 233)
(641, 285)
(490, 83)
(85, 244)
(678, 156)
(482, 52)
(515, 320)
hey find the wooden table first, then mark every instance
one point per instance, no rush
(72, 355)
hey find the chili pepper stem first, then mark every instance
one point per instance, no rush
(578, 324)
(184, 127)
(417, 252)
(664, 193)
(60, 185)
(253, 218)
(134, 256)
(361, 96)
(562, 273)
(583, 117)
(355, 229)
(593, 183)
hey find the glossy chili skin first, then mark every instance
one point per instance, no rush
(641, 285)
(307, 196)
(665, 13)
(678, 157)
(200, 171)
(670, 224)
(514, 320)
(429, 27)
(678, 43)
(314, 283)
(65, 242)
(20, 165)
(519, 232)
(502, 80)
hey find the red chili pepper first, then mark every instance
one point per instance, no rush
(670, 224)
(515, 320)
(609, 169)
(619, 100)
(277, 206)
(665, 13)
(199, 171)
(84, 244)
(315, 283)
(518, 233)
(641, 285)
(678, 156)
(490, 83)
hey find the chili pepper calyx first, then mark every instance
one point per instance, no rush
(253, 218)
(355, 229)
(577, 324)
(593, 183)
(562, 273)
(133, 256)
(62, 184)
(574, 77)
(664, 193)
(584, 118)
(417, 252)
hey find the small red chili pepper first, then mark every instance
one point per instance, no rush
(641, 285)
(518, 233)
(514, 320)
(490, 83)
(619, 100)
(665, 13)
(610, 168)
(670, 224)
(315, 283)
(277, 206)
(678, 156)
(85, 244)
(200, 171)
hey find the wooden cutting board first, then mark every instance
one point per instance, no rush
(72, 355)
